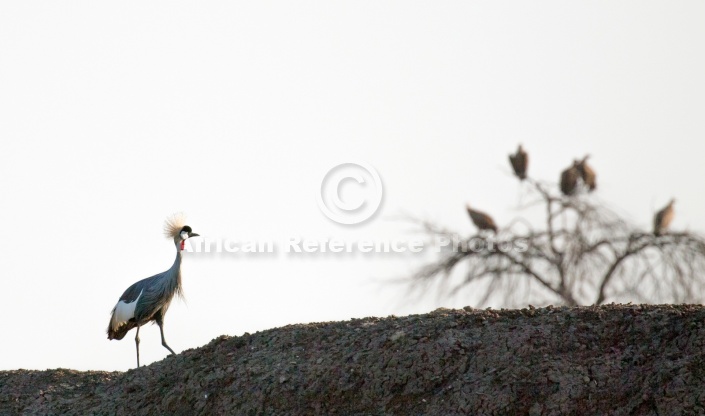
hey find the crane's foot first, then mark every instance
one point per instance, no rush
(164, 344)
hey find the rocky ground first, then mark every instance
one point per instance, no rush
(617, 359)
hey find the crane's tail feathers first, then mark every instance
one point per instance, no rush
(120, 332)
(174, 224)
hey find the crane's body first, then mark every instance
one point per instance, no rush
(145, 301)
(149, 299)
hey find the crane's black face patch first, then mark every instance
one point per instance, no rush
(186, 229)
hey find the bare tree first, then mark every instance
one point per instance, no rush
(581, 253)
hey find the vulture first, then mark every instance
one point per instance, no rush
(569, 179)
(587, 174)
(481, 220)
(519, 161)
(663, 218)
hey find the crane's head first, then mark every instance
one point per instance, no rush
(185, 233)
(176, 229)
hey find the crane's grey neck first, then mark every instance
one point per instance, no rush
(174, 274)
(177, 261)
(179, 254)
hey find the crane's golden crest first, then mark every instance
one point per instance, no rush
(174, 224)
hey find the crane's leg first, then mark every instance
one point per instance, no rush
(160, 322)
(137, 345)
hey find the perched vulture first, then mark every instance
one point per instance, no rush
(663, 218)
(519, 161)
(587, 174)
(481, 220)
(569, 179)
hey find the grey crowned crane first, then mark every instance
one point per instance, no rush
(149, 299)
(663, 218)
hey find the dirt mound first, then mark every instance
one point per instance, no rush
(616, 359)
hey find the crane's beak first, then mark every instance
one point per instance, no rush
(193, 235)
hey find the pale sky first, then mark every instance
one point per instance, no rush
(115, 115)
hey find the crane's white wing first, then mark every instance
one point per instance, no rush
(123, 312)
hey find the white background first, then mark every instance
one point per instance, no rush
(115, 115)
